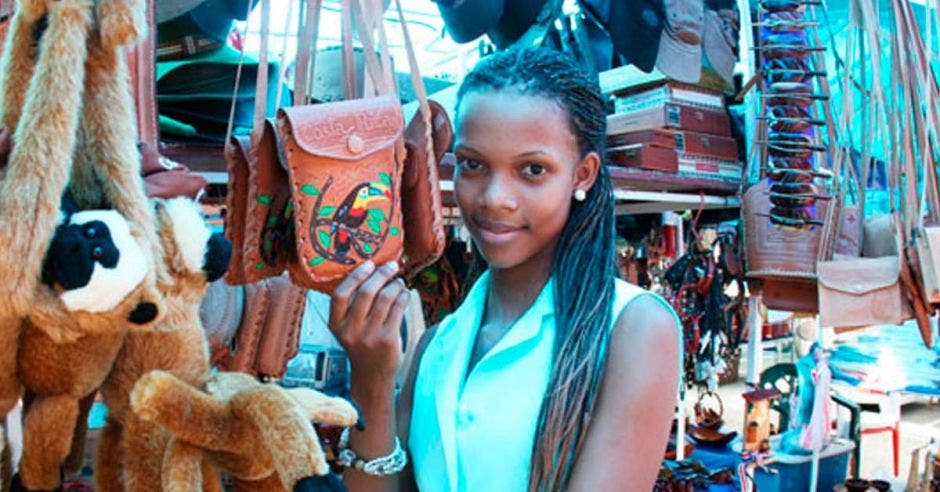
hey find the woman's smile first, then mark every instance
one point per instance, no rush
(496, 232)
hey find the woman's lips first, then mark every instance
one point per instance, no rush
(495, 232)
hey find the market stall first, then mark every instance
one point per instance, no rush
(762, 155)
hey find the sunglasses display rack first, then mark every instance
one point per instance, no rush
(790, 126)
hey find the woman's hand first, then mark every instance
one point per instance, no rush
(366, 313)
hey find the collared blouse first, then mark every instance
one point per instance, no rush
(476, 433)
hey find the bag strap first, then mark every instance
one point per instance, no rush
(926, 125)
(306, 52)
(238, 78)
(282, 64)
(142, 67)
(261, 84)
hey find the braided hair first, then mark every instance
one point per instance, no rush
(583, 264)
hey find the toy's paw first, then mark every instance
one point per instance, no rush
(148, 392)
(325, 409)
(121, 22)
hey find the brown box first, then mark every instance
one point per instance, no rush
(671, 115)
(688, 142)
(644, 156)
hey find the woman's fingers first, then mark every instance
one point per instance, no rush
(345, 291)
(366, 294)
(383, 303)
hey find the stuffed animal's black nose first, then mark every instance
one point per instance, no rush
(144, 313)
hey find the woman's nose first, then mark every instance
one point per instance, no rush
(498, 194)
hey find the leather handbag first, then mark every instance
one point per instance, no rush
(236, 205)
(345, 162)
(421, 195)
(867, 290)
(269, 332)
(783, 259)
(863, 291)
(268, 228)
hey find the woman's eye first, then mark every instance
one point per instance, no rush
(535, 170)
(470, 164)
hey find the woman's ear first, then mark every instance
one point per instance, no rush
(586, 172)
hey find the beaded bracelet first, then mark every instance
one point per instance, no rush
(383, 466)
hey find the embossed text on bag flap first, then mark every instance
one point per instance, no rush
(345, 130)
(859, 275)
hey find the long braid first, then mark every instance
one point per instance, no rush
(583, 265)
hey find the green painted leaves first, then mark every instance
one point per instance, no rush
(394, 231)
(263, 199)
(324, 238)
(377, 214)
(374, 226)
(309, 189)
(367, 248)
(316, 260)
(327, 211)
(386, 179)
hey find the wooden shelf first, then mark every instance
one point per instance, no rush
(637, 191)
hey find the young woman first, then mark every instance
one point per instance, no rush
(553, 374)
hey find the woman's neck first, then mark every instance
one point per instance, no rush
(513, 290)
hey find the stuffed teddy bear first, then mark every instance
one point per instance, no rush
(130, 452)
(260, 434)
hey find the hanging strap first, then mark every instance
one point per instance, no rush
(306, 52)
(282, 65)
(238, 78)
(261, 84)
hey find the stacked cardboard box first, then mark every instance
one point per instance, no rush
(672, 127)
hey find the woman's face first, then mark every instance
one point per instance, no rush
(518, 165)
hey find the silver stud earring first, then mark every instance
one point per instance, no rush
(580, 195)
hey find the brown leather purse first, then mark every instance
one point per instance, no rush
(421, 194)
(236, 205)
(345, 161)
(268, 227)
(269, 332)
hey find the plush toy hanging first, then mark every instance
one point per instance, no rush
(65, 91)
(130, 451)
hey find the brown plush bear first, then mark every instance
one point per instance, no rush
(130, 452)
(259, 434)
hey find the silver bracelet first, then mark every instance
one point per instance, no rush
(383, 466)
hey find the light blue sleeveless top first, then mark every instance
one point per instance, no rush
(476, 434)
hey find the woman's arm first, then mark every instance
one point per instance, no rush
(366, 312)
(627, 438)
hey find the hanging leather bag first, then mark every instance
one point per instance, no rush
(345, 162)
(865, 290)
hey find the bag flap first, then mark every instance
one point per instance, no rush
(345, 130)
(859, 275)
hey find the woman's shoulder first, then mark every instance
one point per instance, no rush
(644, 313)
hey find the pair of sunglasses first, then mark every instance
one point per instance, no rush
(788, 111)
(785, 23)
(779, 5)
(797, 219)
(791, 124)
(795, 88)
(799, 100)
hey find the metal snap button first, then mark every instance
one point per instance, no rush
(355, 143)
